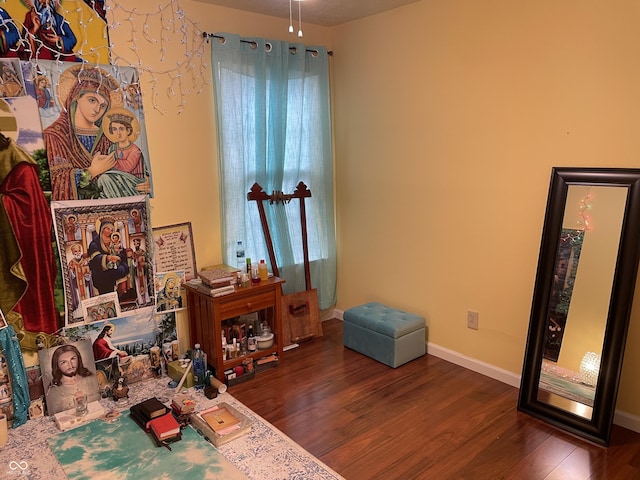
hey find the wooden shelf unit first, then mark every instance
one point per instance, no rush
(206, 314)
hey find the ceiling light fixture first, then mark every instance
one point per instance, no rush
(290, 18)
(300, 19)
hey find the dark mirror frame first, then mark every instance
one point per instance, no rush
(598, 428)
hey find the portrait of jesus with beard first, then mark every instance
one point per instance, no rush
(68, 371)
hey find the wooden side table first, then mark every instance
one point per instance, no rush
(206, 314)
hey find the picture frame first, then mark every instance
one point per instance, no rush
(174, 250)
(87, 272)
(170, 291)
(63, 376)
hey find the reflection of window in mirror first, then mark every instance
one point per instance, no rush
(597, 213)
(589, 307)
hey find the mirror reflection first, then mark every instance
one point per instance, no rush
(580, 296)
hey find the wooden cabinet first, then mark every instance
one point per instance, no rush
(207, 313)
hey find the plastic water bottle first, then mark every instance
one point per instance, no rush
(240, 260)
(199, 366)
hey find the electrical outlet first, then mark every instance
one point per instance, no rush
(472, 319)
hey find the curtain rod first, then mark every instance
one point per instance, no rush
(213, 35)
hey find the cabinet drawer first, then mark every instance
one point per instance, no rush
(233, 308)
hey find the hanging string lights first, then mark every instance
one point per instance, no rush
(182, 66)
(584, 213)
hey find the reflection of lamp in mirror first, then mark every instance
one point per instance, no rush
(589, 368)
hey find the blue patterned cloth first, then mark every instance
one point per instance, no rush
(11, 350)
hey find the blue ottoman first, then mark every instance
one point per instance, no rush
(388, 335)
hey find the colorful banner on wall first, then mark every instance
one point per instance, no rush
(72, 30)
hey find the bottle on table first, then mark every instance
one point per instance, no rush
(240, 260)
(252, 343)
(199, 361)
(263, 271)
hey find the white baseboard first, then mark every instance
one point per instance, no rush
(472, 364)
(627, 420)
(623, 419)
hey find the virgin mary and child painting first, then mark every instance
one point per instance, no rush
(96, 147)
(103, 255)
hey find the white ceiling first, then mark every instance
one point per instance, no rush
(327, 13)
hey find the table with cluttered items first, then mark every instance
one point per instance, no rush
(31, 448)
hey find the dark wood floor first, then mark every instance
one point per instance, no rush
(427, 419)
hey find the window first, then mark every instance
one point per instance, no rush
(273, 119)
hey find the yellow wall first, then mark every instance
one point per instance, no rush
(448, 116)
(453, 112)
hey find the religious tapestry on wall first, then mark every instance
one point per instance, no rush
(71, 31)
(93, 128)
(103, 248)
(31, 296)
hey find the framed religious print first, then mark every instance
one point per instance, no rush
(170, 291)
(103, 251)
(68, 372)
(173, 250)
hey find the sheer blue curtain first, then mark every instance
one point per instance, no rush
(274, 129)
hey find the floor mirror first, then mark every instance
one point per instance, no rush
(582, 300)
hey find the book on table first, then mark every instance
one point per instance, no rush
(214, 292)
(147, 410)
(164, 427)
(221, 424)
(150, 408)
(219, 418)
(218, 275)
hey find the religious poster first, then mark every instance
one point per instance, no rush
(170, 291)
(103, 249)
(93, 129)
(68, 376)
(173, 250)
(125, 345)
(70, 31)
(101, 307)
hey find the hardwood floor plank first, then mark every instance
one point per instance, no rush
(429, 419)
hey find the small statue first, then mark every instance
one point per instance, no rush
(120, 389)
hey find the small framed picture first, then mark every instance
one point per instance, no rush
(36, 408)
